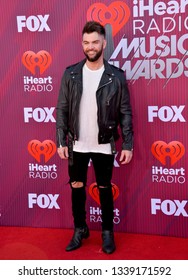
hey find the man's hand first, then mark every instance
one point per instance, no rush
(63, 152)
(126, 156)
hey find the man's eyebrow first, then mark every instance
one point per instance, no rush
(95, 41)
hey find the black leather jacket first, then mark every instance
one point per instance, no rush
(113, 104)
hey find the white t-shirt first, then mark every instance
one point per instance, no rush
(88, 130)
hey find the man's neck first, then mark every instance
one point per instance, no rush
(95, 65)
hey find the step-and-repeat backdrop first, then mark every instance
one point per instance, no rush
(148, 39)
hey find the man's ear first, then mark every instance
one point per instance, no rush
(104, 44)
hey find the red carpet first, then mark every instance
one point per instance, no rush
(18, 243)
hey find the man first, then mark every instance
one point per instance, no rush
(93, 101)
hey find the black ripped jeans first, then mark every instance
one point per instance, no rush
(103, 167)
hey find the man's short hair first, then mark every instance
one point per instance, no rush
(94, 26)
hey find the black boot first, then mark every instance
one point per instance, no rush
(79, 214)
(108, 245)
(76, 241)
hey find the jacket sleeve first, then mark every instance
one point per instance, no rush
(125, 116)
(62, 111)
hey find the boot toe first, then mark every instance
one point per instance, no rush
(73, 245)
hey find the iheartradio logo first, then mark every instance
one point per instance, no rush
(31, 60)
(46, 148)
(94, 192)
(174, 150)
(116, 14)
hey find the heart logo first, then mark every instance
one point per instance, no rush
(41, 59)
(94, 192)
(46, 148)
(175, 150)
(116, 14)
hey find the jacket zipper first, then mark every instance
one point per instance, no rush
(100, 88)
(59, 139)
(105, 85)
(75, 138)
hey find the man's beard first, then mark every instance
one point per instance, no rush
(94, 58)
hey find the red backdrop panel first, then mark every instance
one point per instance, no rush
(148, 40)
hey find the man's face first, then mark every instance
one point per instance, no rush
(93, 45)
